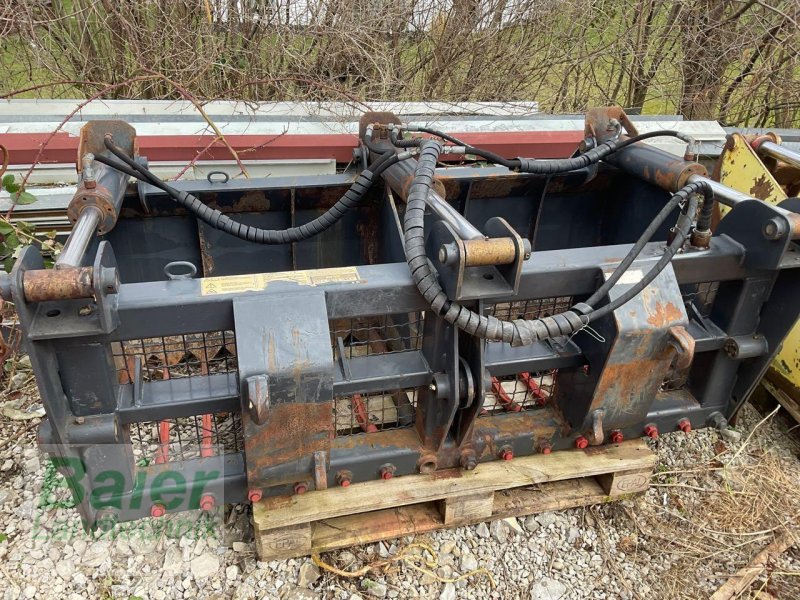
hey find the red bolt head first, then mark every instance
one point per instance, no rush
(345, 483)
(507, 454)
(254, 495)
(616, 437)
(546, 448)
(344, 477)
(387, 472)
(158, 510)
(300, 488)
(207, 502)
(651, 431)
(685, 425)
(581, 442)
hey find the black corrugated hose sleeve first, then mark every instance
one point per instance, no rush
(706, 211)
(519, 332)
(219, 220)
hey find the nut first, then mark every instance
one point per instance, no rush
(254, 495)
(651, 431)
(581, 442)
(158, 510)
(616, 436)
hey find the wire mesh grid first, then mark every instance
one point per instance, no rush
(530, 309)
(522, 391)
(184, 438)
(384, 334)
(176, 356)
(702, 295)
(380, 411)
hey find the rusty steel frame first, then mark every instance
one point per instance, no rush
(609, 380)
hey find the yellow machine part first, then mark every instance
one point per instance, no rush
(740, 168)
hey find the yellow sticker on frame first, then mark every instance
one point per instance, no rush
(236, 284)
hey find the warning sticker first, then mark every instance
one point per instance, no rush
(236, 284)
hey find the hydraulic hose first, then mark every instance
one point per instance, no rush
(678, 198)
(541, 166)
(518, 332)
(218, 220)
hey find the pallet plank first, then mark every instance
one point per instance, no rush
(416, 519)
(274, 512)
(465, 509)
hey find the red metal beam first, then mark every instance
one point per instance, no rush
(62, 148)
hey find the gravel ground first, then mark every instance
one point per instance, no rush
(715, 502)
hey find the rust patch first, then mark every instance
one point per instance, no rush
(292, 431)
(58, 284)
(448, 474)
(762, 188)
(664, 315)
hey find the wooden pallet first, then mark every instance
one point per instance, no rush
(323, 520)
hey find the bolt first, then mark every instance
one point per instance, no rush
(300, 487)
(616, 437)
(85, 311)
(157, 510)
(79, 420)
(254, 495)
(545, 447)
(468, 461)
(773, 229)
(387, 471)
(581, 442)
(685, 425)
(527, 255)
(432, 387)
(207, 502)
(344, 478)
(506, 453)
(651, 431)
(106, 519)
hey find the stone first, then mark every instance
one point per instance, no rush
(573, 534)
(65, 568)
(95, 555)
(383, 551)
(309, 573)
(531, 524)
(374, 588)
(468, 562)
(482, 530)
(447, 547)
(730, 435)
(293, 592)
(499, 531)
(512, 524)
(546, 519)
(448, 592)
(240, 547)
(231, 573)
(548, 589)
(204, 565)
(173, 561)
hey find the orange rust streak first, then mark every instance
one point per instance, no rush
(362, 415)
(665, 315)
(533, 387)
(503, 398)
(205, 444)
(163, 433)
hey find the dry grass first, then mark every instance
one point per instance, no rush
(707, 521)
